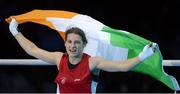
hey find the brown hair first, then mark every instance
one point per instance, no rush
(77, 31)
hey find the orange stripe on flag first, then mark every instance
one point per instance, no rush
(40, 16)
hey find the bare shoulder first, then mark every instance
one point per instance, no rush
(94, 61)
(58, 56)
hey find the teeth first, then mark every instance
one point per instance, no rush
(72, 50)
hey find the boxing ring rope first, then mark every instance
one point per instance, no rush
(23, 62)
(40, 62)
(37, 62)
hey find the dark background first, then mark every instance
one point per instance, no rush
(155, 20)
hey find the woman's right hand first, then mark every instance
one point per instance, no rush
(13, 27)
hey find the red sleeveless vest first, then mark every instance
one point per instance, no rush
(77, 80)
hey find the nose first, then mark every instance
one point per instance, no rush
(73, 45)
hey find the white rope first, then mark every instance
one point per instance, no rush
(40, 62)
(171, 62)
(23, 62)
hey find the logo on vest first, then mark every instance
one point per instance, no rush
(76, 80)
(63, 80)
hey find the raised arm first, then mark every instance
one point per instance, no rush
(115, 66)
(31, 48)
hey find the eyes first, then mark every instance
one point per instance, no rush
(75, 42)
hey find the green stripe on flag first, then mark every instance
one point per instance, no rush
(135, 44)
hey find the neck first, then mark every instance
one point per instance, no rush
(75, 60)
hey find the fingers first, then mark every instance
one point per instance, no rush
(150, 45)
(148, 51)
(9, 19)
(153, 46)
(14, 21)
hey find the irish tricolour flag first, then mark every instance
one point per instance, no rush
(103, 40)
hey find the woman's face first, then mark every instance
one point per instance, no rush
(74, 45)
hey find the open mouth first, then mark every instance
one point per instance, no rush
(73, 50)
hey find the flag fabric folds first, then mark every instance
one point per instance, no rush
(103, 40)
